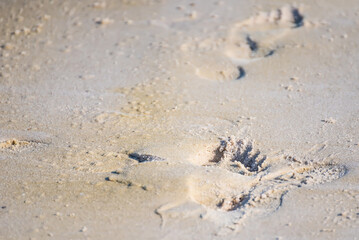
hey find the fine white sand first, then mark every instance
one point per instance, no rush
(158, 119)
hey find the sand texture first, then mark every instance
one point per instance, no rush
(159, 119)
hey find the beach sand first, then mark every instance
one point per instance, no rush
(158, 119)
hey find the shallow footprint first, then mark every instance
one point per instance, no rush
(255, 38)
(213, 67)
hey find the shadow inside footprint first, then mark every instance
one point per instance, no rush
(242, 73)
(297, 17)
(238, 156)
(145, 157)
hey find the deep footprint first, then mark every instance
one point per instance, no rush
(230, 181)
(261, 183)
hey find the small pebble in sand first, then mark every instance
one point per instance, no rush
(87, 76)
(327, 230)
(99, 5)
(26, 30)
(128, 22)
(38, 28)
(77, 23)
(192, 15)
(16, 32)
(289, 88)
(67, 49)
(83, 229)
(46, 17)
(329, 120)
(8, 46)
(103, 21)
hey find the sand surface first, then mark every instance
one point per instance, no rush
(159, 119)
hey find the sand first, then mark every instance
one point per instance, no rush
(155, 119)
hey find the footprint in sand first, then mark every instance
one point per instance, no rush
(252, 39)
(254, 181)
(215, 67)
(256, 37)
(229, 181)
